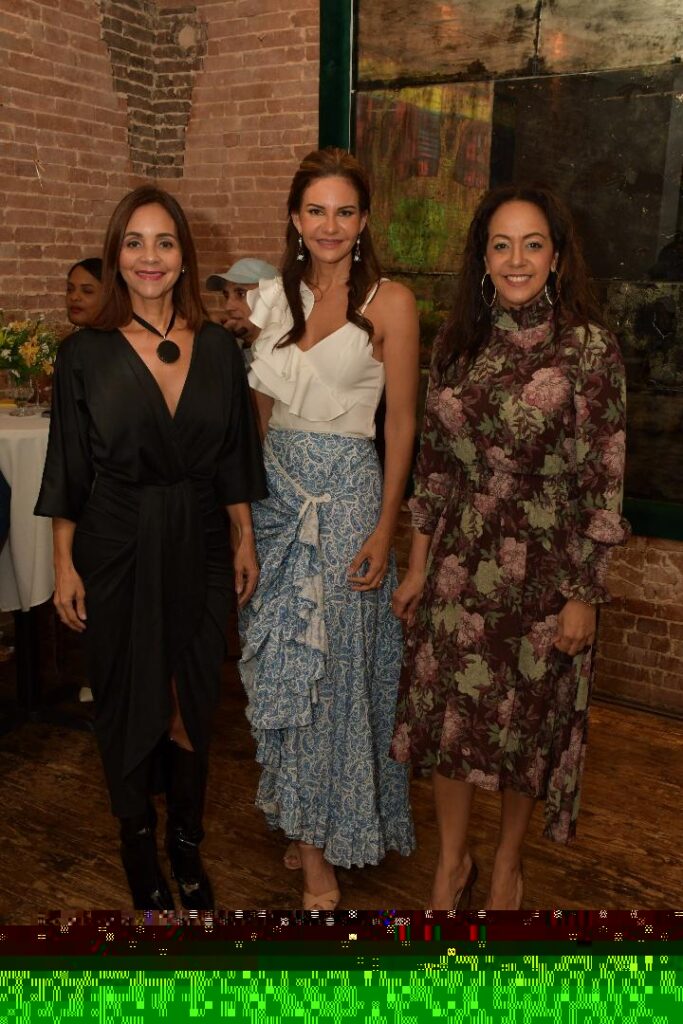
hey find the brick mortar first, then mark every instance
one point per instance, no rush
(159, 85)
(68, 123)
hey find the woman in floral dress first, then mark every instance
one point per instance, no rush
(515, 512)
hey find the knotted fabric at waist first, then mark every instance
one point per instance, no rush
(308, 513)
(165, 527)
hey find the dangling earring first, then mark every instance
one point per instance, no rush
(546, 291)
(300, 256)
(182, 270)
(357, 255)
(495, 291)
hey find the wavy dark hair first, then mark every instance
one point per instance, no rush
(116, 309)
(327, 163)
(469, 324)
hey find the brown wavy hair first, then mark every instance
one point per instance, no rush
(116, 309)
(469, 324)
(328, 163)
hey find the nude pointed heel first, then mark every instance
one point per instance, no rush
(463, 899)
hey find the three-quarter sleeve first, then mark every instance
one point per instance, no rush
(600, 410)
(68, 473)
(240, 475)
(433, 476)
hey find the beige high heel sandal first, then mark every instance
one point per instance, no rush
(462, 899)
(329, 900)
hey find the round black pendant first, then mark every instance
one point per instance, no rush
(168, 351)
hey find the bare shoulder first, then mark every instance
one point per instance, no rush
(393, 295)
(393, 310)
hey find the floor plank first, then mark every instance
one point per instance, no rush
(60, 850)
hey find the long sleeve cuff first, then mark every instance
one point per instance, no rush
(591, 554)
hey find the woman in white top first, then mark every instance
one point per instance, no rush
(321, 650)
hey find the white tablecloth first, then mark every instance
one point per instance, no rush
(26, 573)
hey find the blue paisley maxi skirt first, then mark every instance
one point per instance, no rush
(320, 662)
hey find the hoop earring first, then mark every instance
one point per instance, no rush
(357, 256)
(556, 284)
(495, 291)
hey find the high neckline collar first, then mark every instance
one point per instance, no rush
(536, 314)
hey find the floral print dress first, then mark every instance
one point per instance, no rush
(519, 480)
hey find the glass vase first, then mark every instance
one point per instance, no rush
(22, 394)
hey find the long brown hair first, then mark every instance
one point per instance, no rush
(469, 324)
(328, 163)
(116, 309)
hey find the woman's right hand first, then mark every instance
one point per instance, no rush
(406, 597)
(69, 599)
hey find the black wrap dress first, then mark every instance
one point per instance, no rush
(147, 491)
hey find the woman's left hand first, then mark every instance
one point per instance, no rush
(246, 568)
(575, 627)
(375, 551)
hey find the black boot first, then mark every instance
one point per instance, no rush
(148, 886)
(185, 788)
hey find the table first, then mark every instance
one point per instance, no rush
(26, 572)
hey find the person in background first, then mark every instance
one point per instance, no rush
(84, 291)
(235, 284)
(321, 652)
(516, 510)
(83, 297)
(6, 652)
(152, 461)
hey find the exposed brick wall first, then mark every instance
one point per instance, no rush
(640, 653)
(65, 152)
(156, 52)
(128, 31)
(70, 136)
(254, 115)
(181, 41)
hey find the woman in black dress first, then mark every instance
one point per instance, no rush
(152, 440)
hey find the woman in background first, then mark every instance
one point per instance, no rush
(152, 449)
(321, 649)
(515, 513)
(84, 291)
(83, 297)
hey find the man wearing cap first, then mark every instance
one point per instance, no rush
(235, 283)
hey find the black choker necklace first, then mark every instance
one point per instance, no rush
(167, 350)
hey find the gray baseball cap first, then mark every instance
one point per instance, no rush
(246, 271)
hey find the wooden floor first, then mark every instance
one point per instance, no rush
(59, 844)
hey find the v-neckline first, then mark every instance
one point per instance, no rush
(307, 318)
(171, 415)
(324, 338)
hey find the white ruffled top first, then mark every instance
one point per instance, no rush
(333, 388)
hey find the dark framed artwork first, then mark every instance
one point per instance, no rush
(447, 99)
